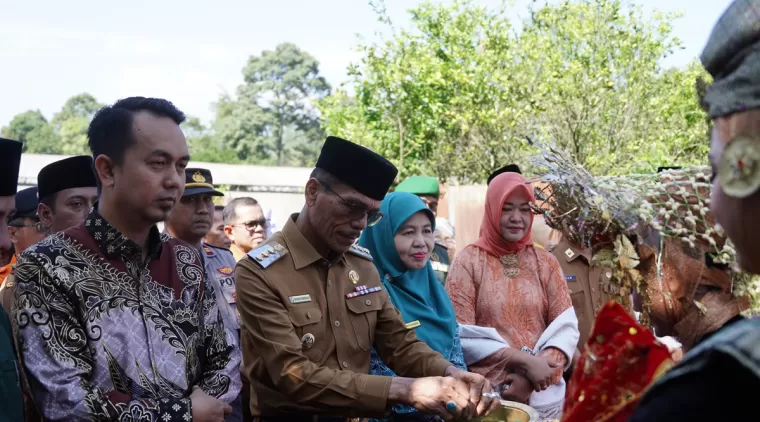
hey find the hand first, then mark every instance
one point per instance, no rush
(432, 394)
(519, 389)
(538, 370)
(478, 385)
(206, 408)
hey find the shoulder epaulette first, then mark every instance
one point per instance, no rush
(207, 250)
(211, 250)
(266, 254)
(360, 251)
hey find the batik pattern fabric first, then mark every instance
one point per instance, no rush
(377, 367)
(107, 335)
(619, 362)
(519, 308)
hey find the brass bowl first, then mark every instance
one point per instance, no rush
(512, 412)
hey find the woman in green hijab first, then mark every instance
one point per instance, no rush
(401, 244)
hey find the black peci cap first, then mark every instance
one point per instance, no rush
(510, 168)
(10, 161)
(364, 170)
(72, 172)
(198, 181)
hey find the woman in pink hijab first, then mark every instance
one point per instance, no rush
(511, 299)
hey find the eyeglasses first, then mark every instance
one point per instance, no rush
(253, 224)
(354, 211)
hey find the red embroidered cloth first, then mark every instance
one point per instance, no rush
(620, 360)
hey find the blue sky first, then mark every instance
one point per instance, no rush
(192, 51)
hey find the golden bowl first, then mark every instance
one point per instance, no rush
(512, 412)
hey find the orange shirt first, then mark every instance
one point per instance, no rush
(6, 270)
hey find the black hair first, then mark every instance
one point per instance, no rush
(110, 132)
(228, 215)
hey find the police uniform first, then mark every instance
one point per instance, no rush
(309, 322)
(220, 271)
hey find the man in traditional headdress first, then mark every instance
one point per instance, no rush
(68, 190)
(12, 400)
(428, 189)
(696, 389)
(312, 307)
(116, 321)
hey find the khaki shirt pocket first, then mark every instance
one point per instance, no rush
(310, 330)
(363, 317)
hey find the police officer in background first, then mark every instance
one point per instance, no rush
(11, 399)
(23, 228)
(312, 306)
(428, 189)
(190, 221)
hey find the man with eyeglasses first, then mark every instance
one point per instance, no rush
(23, 227)
(245, 225)
(312, 306)
(190, 221)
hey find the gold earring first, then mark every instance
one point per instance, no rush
(739, 167)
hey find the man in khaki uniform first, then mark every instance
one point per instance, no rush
(312, 307)
(589, 286)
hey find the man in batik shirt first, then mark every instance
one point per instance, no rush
(116, 321)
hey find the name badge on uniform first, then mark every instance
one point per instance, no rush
(571, 278)
(299, 299)
(411, 325)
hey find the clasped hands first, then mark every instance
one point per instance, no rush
(465, 390)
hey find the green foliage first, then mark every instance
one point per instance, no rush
(34, 131)
(272, 121)
(72, 121)
(203, 145)
(456, 97)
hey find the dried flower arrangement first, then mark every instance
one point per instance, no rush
(608, 214)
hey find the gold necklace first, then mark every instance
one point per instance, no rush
(511, 265)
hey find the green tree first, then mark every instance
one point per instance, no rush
(34, 131)
(273, 120)
(72, 121)
(203, 145)
(456, 96)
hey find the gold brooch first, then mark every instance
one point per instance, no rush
(511, 265)
(738, 170)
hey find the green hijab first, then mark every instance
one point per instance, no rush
(417, 294)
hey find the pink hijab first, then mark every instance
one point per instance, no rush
(490, 236)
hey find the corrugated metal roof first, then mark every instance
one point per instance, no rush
(254, 177)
